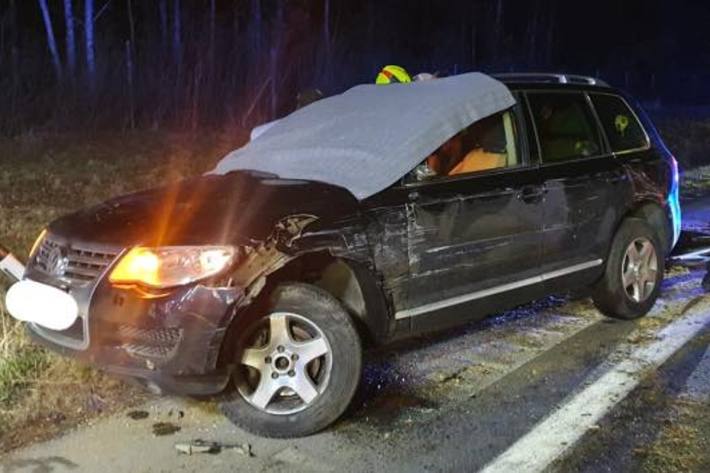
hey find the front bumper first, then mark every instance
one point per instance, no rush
(171, 342)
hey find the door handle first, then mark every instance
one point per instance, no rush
(532, 194)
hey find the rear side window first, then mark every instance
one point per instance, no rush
(620, 124)
(566, 126)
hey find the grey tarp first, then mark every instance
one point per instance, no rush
(367, 138)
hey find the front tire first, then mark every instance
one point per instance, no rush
(297, 367)
(634, 272)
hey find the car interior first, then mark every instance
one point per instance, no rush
(565, 127)
(485, 145)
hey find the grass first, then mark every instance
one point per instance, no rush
(41, 178)
(688, 139)
(696, 182)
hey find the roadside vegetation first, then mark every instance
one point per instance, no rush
(43, 176)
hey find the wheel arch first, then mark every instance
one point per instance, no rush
(353, 283)
(349, 281)
(657, 217)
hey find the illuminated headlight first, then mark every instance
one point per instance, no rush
(37, 243)
(171, 266)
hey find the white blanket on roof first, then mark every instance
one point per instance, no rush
(369, 137)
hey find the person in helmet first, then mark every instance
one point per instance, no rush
(393, 75)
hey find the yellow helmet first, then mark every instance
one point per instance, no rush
(393, 75)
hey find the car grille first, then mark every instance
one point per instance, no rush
(155, 343)
(80, 265)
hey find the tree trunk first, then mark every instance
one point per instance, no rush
(498, 34)
(129, 81)
(89, 43)
(212, 45)
(499, 16)
(549, 40)
(533, 34)
(213, 25)
(163, 12)
(131, 22)
(69, 25)
(277, 32)
(14, 62)
(327, 44)
(255, 28)
(327, 35)
(51, 40)
(177, 34)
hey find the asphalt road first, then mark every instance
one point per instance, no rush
(552, 386)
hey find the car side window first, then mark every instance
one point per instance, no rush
(488, 144)
(566, 126)
(620, 124)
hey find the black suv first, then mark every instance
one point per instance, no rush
(265, 285)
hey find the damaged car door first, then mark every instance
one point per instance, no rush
(471, 234)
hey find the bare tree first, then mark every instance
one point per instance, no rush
(131, 22)
(327, 42)
(129, 81)
(14, 51)
(51, 40)
(327, 36)
(69, 25)
(163, 12)
(177, 33)
(498, 34)
(129, 51)
(533, 30)
(213, 24)
(89, 42)
(275, 57)
(212, 28)
(255, 33)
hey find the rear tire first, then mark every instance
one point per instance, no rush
(297, 380)
(633, 274)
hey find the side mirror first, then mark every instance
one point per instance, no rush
(423, 172)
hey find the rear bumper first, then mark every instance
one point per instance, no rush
(171, 343)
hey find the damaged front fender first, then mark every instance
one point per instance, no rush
(270, 255)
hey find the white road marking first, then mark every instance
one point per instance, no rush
(702, 253)
(552, 437)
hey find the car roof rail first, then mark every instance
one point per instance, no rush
(548, 77)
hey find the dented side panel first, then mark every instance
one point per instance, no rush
(584, 201)
(444, 239)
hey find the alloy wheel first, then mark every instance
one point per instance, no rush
(639, 269)
(285, 364)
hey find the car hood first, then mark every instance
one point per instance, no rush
(235, 208)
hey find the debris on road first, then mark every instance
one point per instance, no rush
(165, 428)
(137, 415)
(200, 446)
(180, 414)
